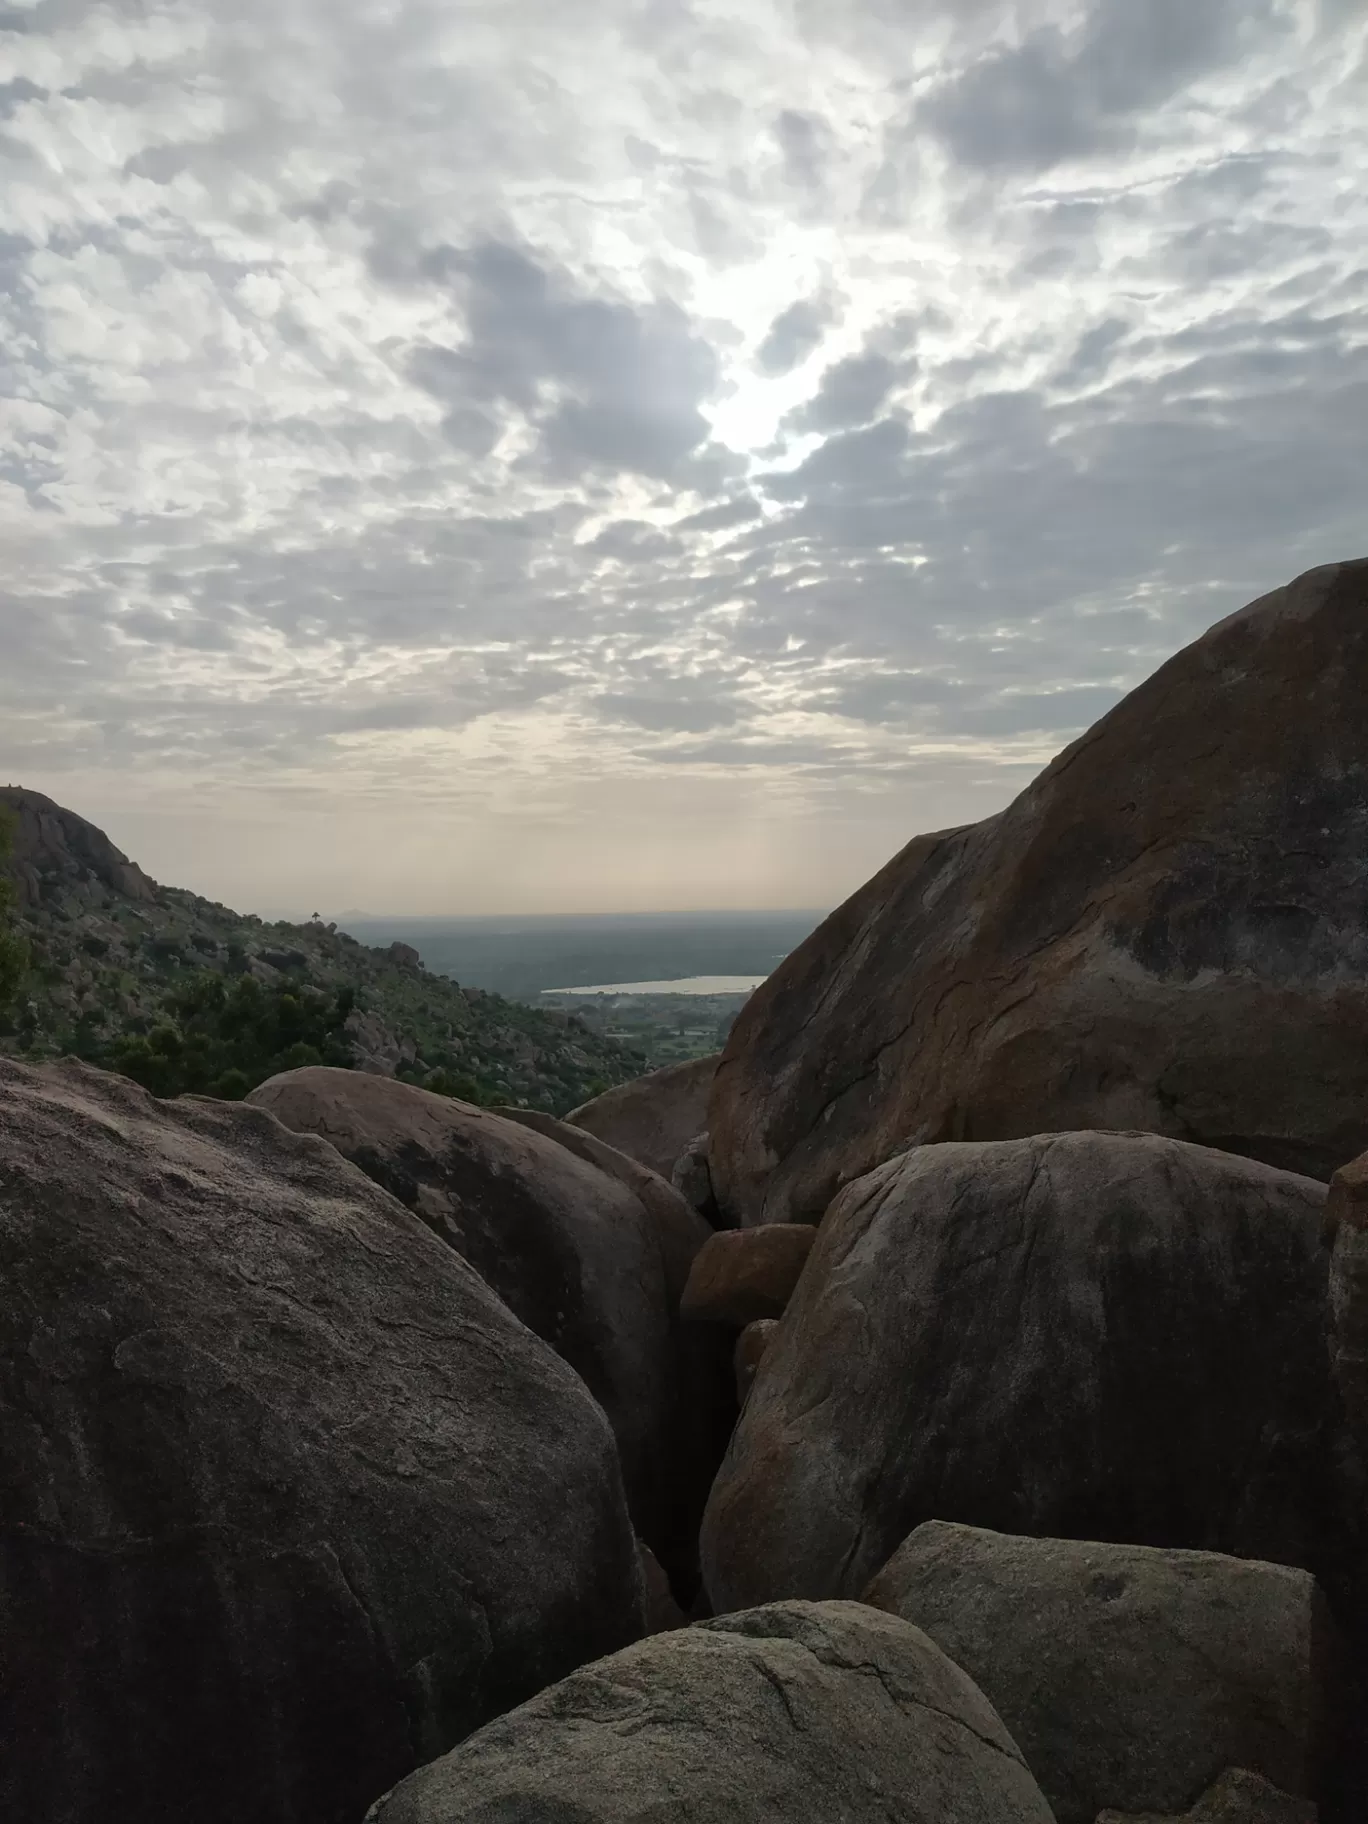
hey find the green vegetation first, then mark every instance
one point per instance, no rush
(13, 951)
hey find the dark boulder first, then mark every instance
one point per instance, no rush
(1093, 1336)
(1168, 930)
(805, 1712)
(289, 1501)
(739, 1275)
(653, 1118)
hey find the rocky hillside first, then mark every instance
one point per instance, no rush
(184, 994)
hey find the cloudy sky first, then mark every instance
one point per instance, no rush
(479, 455)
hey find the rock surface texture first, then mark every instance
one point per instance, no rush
(1238, 1797)
(654, 1118)
(1168, 930)
(750, 1350)
(1346, 1214)
(1128, 1677)
(289, 1501)
(1095, 1336)
(802, 1712)
(56, 851)
(592, 1253)
(739, 1275)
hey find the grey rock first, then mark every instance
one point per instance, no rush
(1238, 1797)
(1128, 1676)
(691, 1176)
(289, 1501)
(654, 1118)
(802, 1712)
(1079, 1336)
(591, 1254)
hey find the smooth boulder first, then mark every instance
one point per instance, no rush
(1128, 1677)
(1095, 1336)
(590, 1250)
(1168, 930)
(806, 1712)
(289, 1501)
(653, 1118)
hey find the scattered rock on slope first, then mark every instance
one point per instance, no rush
(290, 1501)
(1128, 1677)
(590, 1263)
(806, 1712)
(654, 1118)
(1096, 1336)
(1168, 930)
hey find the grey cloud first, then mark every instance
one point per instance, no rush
(851, 392)
(794, 334)
(723, 516)
(803, 143)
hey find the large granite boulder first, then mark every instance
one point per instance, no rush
(1094, 1336)
(653, 1118)
(804, 1712)
(1128, 1677)
(55, 851)
(1168, 930)
(289, 1501)
(590, 1252)
(740, 1275)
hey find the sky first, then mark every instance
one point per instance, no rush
(465, 456)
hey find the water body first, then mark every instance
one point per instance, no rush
(692, 984)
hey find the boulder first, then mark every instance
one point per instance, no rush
(739, 1275)
(1128, 1677)
(56, 849)
(1093, 1336)
(289, 1501)
(751, 1345)
(804, 1712)
(591, 1254)
(1346, 1214)
(653, 1118)
(692, 1178)
(662, 1611)
(1238, 1797)
(1168, 930)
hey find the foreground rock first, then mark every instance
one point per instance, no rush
(1168, 930)
(1128, 1677)
(291, 1501)
(653, 1119)
(740, 1275)
(1097, 1336)
(1238, 1797)
(802, 1712)
(590, 1252)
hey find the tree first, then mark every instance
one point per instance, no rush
(13, 953)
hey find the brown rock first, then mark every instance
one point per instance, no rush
(653, 1118)
(289, 1501)
(590, 1255)
(751, 1345)
(1238, 1797)
(1168, 930)
(1095, 1336)
(739, 1275)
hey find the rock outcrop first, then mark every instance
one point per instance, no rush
(805, 1712)
(1167, 930)
(740, 1275)
(1128, 1677)
(591, 1253)
(1095, 1336)
(654, 1118)
(57, 852)
(289, 1501)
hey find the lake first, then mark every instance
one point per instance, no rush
(692, 984)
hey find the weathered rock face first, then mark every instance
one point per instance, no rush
(53, 845)
(1128, 1677)
(739, 1275)
(802, 1711)
(1238, 1797)
(289, 1502)
(593, 1263)
(1095, 1336)
(653, 1119)
(1168, 930)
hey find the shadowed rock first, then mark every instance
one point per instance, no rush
(654, 1118)
(1168, 930)
(740, 1275)
(289, 1501)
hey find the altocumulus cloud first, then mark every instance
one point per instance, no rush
(692, 446)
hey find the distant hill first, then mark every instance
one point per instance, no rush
(183, 993)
